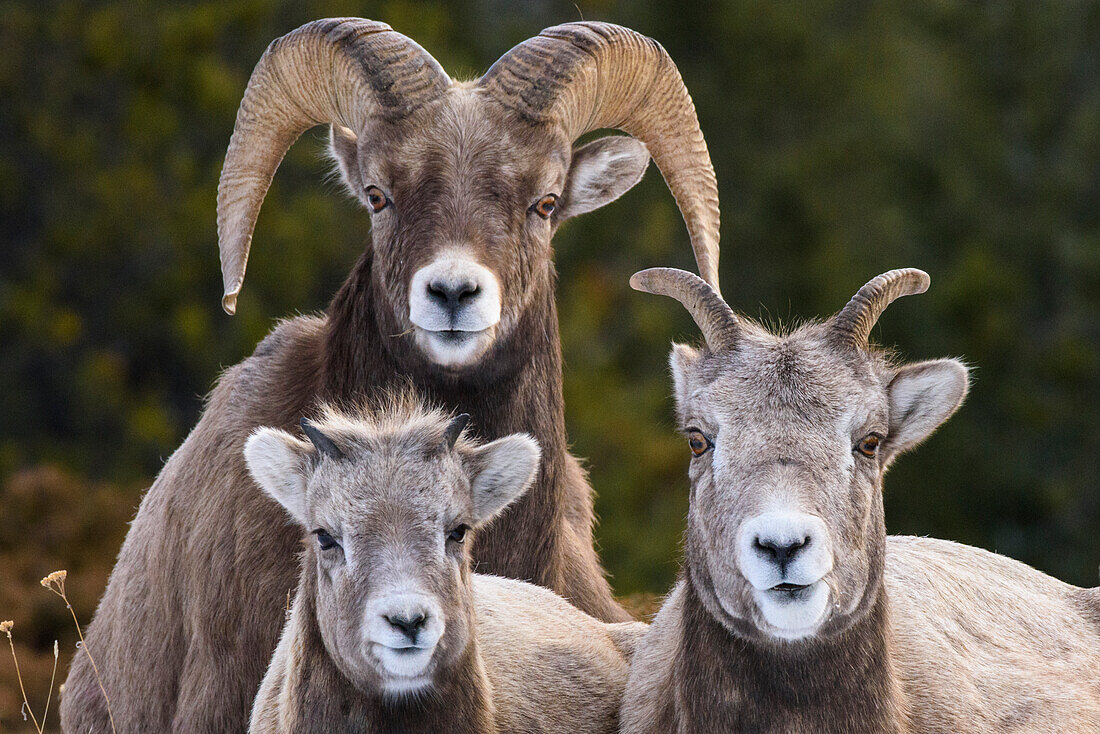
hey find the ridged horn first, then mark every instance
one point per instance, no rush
(337, 70)
(588, 76)
(855, 321)
(719, 324)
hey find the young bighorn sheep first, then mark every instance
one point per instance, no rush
(390, 630)
(795, 612)
(466, 183)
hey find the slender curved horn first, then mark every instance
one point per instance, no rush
(587, 76)
(719, 324)
(855, 321)
(336, 70)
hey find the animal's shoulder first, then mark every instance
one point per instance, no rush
(647, 703)
(987, 643)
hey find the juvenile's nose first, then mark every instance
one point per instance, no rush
(408, 624)
(452, 294)
(781, 552)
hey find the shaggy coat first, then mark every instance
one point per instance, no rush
(534, 665)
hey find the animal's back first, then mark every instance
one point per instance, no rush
(200, 557)
(984, 643)
(553, 668)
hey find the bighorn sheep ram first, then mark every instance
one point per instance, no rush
(466, 182)
(795, 612)
(390, 630)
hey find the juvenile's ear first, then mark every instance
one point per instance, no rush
(601, 172)
(344, 149)
(500, 472)
(922, 396)
(278, 461)
(683, 363)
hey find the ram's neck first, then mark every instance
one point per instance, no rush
(318, 697)
(516, 387)
(845, 684)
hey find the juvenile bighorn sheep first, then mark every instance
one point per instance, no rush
(795, 612)
(466, 182)
(390, 630)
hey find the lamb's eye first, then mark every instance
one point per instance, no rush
(868, 445)
(545, 206)
(698, 443)
(458, 534)
(326, 541)
(376, 200)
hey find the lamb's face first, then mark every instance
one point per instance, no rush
(464, 199)
(790, 437)
(389, 511)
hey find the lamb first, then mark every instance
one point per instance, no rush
(795, 612)
(465, 182)
(390, 630)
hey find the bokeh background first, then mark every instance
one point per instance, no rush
(849, 138)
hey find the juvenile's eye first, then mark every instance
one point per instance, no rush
(545, 206)
(868, 445)
(326, 541)
(458, 534)
(376, 200)
(698, 443)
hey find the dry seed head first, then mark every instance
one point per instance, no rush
(6, 626)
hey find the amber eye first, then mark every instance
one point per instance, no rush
(868, 445)
(376, 200)
(698, 443)
(546, 206)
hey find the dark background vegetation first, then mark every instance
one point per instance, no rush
(849, 138)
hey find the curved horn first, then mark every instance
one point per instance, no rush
(719, 324)
(855, 321)
(336, 70)
(587, 76)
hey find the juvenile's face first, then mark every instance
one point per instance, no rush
(786, 508)
(391, 570)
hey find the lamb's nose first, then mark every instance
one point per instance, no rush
(780, 552)
(452, 294)
(409, 624)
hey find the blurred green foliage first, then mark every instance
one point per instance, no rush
(849, 138)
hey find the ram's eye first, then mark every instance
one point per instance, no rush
(698, 443)
(376, 200)
(326, 541)
(868, 445)
(545, 206)
(458, 534)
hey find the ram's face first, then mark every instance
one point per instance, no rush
(464, 199)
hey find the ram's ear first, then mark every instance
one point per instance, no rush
(500, 472)
(923, 396)
(279, 463)
(601, 172)
(344, 149)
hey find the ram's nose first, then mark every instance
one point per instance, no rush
(784, 548)
(453, 293)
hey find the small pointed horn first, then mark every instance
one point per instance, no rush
(320, 441)
(855, 321)
(454, 430)
(719, 324)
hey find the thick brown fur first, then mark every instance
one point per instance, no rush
(196, 601)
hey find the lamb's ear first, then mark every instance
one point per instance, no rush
(923, 396)
(601, 172)
(683, 362)
(500, 472)
(278, 463)
(344, 149)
